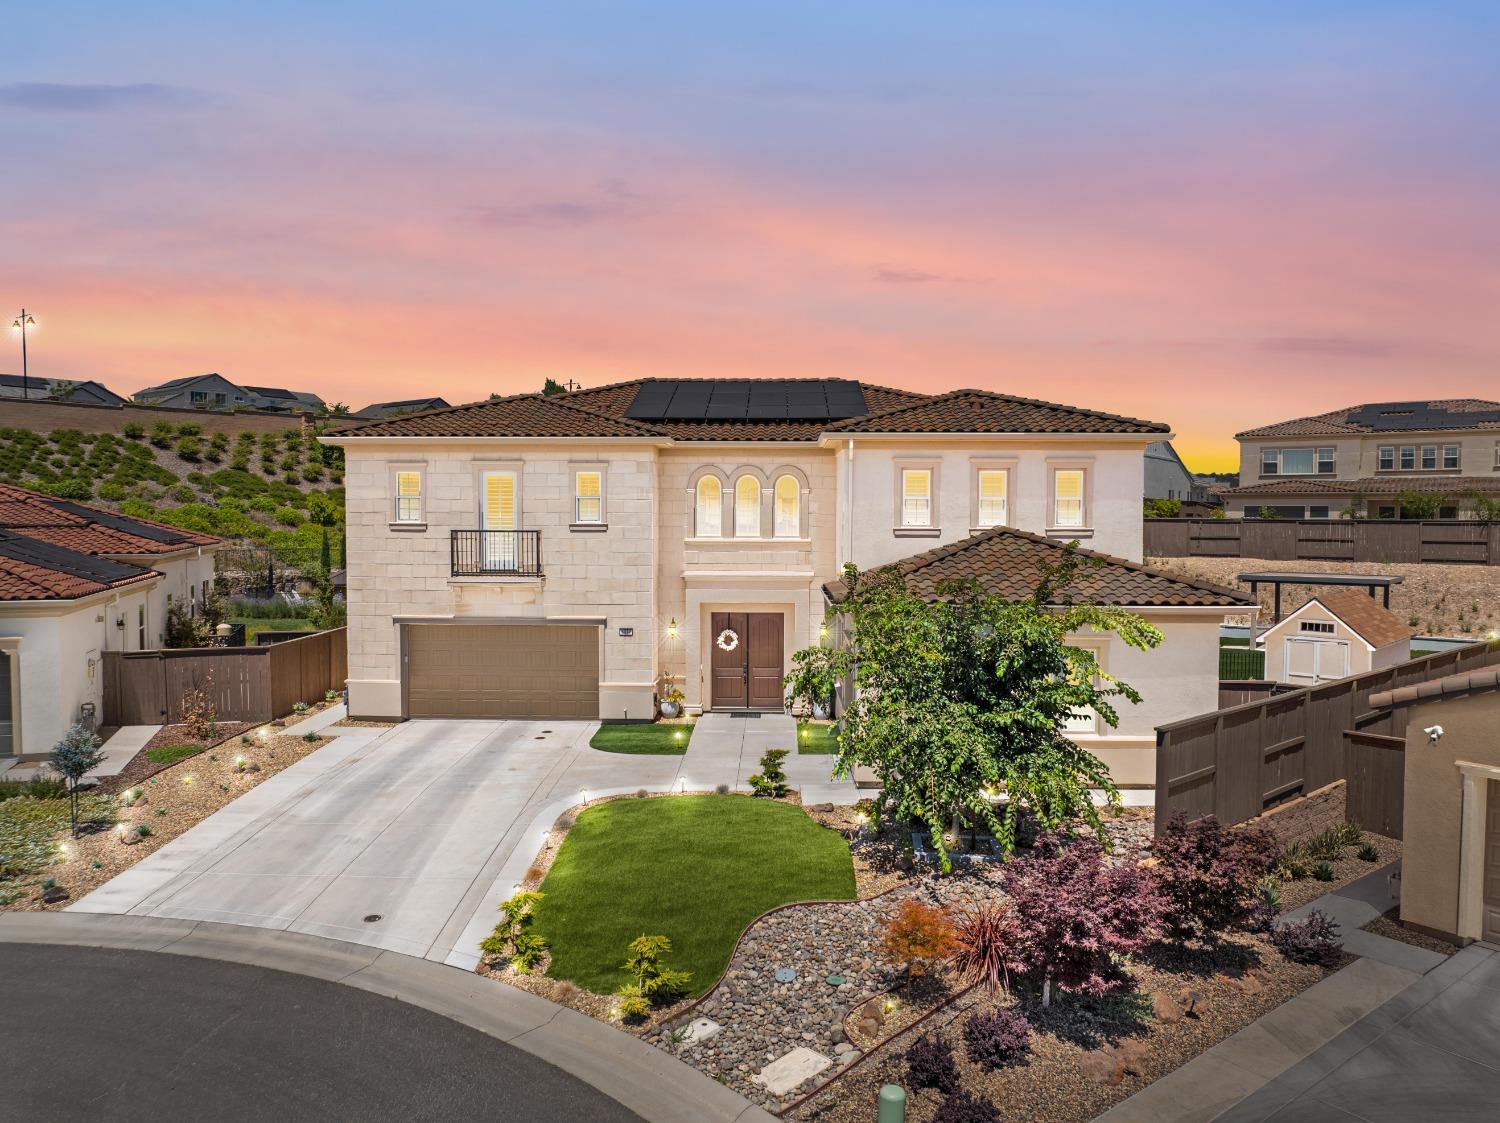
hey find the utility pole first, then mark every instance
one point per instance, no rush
(21, 323)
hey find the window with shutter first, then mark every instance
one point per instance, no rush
(1067, 490)
(408, 497)
(588, 500)
(916, 497)
(992, 497)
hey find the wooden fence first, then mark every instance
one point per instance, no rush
(1374, 794)
(245, 683)
(1237, 762)
(1341, 540)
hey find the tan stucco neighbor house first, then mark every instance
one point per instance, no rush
(76, 582)
(1450, 875)
(1338, 633)
(571, 556)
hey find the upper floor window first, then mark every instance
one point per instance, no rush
(1408, 457)
(1450, 456)
(992, 496)
(588, 496)
(1387, 460)
(747, 507)
(708, 516)
(408, 496)
(1067, 494)
(1298, 461)
(1429, 457)
(916, 497)
(788, 515)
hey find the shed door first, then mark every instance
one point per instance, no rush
(502, 671)
(1316, 659)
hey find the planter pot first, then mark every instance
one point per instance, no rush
(671, 709)
(820, 711)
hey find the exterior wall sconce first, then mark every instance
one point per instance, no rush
(672, 628)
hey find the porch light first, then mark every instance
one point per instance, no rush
(823, 630)
(672, 628)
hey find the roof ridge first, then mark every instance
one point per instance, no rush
(587, 412)
(998, 396)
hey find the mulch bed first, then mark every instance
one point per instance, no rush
(1389, 925)
(141, 767)
(170, 805)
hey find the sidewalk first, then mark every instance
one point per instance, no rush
(726, 749)
(119, 750)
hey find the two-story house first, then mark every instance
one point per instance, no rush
(568, 556)
(214, 391)
(1359, 461)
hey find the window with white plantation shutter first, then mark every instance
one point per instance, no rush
(1067, 492)
(916, 497)
(747, 507)
(499, 501)
(992, 497)
(708, 518)
(408, 497)
(588, 499)
(788, 507)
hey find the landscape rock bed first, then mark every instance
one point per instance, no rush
(141, 767)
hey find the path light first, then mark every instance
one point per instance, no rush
(264, 732)
(585, 793)
(62, 848)
(187, 781)
(861, 818)
(120, 829)
(681, 784)
(678, 735)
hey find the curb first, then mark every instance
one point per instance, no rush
(644, 1079)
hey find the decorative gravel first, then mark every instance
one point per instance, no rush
(1295, 894)
(141, 767)
(1388, 924)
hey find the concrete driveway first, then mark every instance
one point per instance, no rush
(400, 839)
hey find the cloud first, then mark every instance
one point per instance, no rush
(1351, 347)
(901, 275)
(615, 199)
(57, 97)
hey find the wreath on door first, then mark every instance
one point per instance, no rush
(728, 639)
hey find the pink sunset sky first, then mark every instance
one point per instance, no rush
(1188, 216)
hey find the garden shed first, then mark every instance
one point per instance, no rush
(1338, 633)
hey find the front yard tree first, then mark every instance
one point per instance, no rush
(76, 755)
(971, 695)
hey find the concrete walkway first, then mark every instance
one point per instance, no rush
(726, 749)
(645, 1080)
(119, 751)
(1235, 1070)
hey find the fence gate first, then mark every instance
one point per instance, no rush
(1376, 787)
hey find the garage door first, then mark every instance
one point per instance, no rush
(502, 670)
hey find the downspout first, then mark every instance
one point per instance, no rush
(849, 506)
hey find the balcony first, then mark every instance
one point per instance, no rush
(496, 553)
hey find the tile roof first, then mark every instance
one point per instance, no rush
(1486, 680)
(1010, 563)
(983, 411)
(1365, 615)
(1337, 422)
(600, 412)
(1455, 486)
(54, 549)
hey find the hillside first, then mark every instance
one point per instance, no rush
(278, 491)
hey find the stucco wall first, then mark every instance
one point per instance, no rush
(1290, 628)
(403, 572)
(1433, 814)
(1115, 483)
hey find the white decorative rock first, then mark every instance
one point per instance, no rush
(791, 1071)
(700, 1029)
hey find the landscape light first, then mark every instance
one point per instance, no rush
(585, 793)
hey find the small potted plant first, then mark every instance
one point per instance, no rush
(671, 701)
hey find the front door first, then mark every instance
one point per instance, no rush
(746, 661)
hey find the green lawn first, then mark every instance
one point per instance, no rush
(171, 754)
(816, 739)
(643, 738)
(694, 868)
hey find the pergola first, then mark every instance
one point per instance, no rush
(1368, 581)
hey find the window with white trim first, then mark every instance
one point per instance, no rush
(1408, 458)
(993, 496)
(916, 497)
(788, 507)
(408, 496)
(1298, 461)
(1067, 497)
(1387, 461)
(1429, 458)
(1084, 719)
(1450, 457)
(588, 496)
(708, 514)
(1322, 626)
(747, 507)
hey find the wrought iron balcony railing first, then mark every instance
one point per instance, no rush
(497, 553)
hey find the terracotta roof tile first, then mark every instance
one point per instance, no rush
(1454, 486)
(1336, 422)
(523, 415)
(983, 411)
(1010, 563)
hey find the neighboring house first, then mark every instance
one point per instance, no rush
(1167, 477)
(381, 410)
(1450, 849)
(76, 582)
(1362, 458)
(214, 391)
(59, 389)
(1338, 633)
(565, 556)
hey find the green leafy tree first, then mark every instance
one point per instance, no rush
(970, 696)
(76, 755)
(552, 387)
(1420, 504)
(1163, 508)
(1484, 508)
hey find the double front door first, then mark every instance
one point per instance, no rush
(747, 661)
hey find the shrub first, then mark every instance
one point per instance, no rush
(134, 430)
(41, 787)
(930, 1064)
(997, 1038)
(181, 493)
(75, 489)
(143, 830)
(162, 434)
(72, 758)
(961, 1107)
(770, 781)
(1208, 874)
(654, 984)
(299, 707)
(916, 936)
(1314, 940)
(190, 448)
(310, 738)
(289, 515)
(111, 491)
(981, 943)
(1368, 852)
(1325, 847)
(199, 715)
(1075, 916)
(1323, 871)
(513, 936)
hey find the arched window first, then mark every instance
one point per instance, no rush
(709, 519)
(747, 507)
(788, 507)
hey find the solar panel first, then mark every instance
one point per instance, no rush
(119, 522)
(1392, 416)
(20, 548)
(800, 399)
